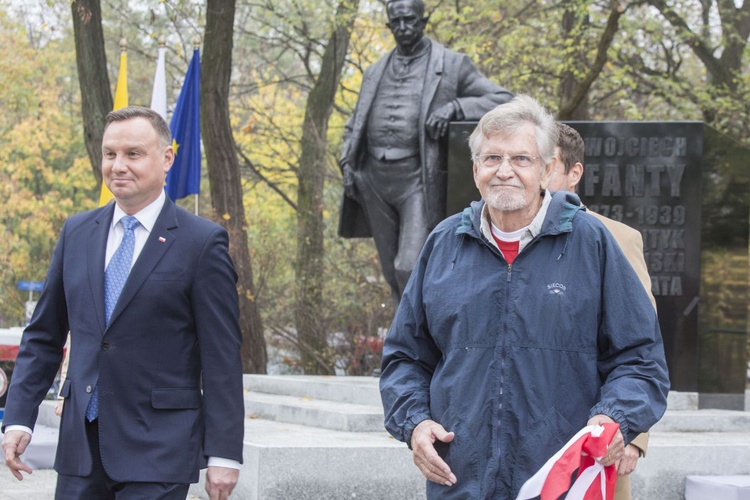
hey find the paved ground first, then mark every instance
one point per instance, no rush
(38, 486)
(41, 486)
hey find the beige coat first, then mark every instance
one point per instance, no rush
(631, 244)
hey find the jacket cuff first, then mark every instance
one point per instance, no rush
(641, 442)
(410, 424)
(23, 428)
(224, 462)
(609, 409)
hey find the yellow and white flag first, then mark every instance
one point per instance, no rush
(121, 101)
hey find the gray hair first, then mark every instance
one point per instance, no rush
(509, 117)
(154, 118)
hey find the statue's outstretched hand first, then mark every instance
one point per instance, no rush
(437, 123)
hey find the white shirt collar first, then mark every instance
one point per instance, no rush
(146, 216)
(529, 232)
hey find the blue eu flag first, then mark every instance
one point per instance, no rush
(184, 177)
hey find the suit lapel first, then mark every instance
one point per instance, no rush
(432, 79)
(96, 250)
(157, 245)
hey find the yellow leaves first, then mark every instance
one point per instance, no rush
(44, 173)
(226, 216)
(271, 133)
(249, 127)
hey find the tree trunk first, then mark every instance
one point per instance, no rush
(574, 93)
(91, 60)
(224, 171)
(312, 168)
(571, 27)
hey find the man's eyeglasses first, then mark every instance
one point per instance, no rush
(493, 160)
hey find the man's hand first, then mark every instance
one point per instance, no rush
(616, 448)
(220, 481)
(59, 407)
(14, 444)
(627, 463)
(437, 123)
(350, 188)
(426, 457)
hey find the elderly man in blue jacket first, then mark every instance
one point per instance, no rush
(522, 323)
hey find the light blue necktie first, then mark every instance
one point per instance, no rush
(115, 277)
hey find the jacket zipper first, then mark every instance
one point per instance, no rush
(503, 355)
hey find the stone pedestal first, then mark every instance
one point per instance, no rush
(714, 487)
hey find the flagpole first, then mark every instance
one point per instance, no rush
(197, 46)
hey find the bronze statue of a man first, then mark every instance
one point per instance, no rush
(394, 155)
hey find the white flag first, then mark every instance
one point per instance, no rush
(159, 94)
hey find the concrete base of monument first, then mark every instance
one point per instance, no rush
(725, 401)
(672, 456)
(316, 437)
(310, 437)
(283, 461)
(299, 445)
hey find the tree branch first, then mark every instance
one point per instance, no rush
(249, 164)
(582, 89)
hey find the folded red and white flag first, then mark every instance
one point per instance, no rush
(593, 481)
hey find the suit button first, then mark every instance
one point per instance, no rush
(105, 346)
(89, 389)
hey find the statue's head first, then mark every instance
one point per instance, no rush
(407, 21)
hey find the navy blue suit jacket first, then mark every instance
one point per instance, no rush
(168, 365)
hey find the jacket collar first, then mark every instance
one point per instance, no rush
(558, 219)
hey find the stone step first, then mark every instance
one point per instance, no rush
(288, 460)
(701, 487)
(672, 456)
(703, 421)
(283, 461)
(292, 461)
(355, 390)
(325, 414)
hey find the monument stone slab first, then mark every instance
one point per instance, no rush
(685, 187)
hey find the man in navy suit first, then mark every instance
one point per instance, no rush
(154, 386)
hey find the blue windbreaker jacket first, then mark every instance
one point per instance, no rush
(516, 358)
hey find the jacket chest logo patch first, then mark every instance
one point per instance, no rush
(556, 289)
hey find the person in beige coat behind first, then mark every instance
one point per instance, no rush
(566, 173)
